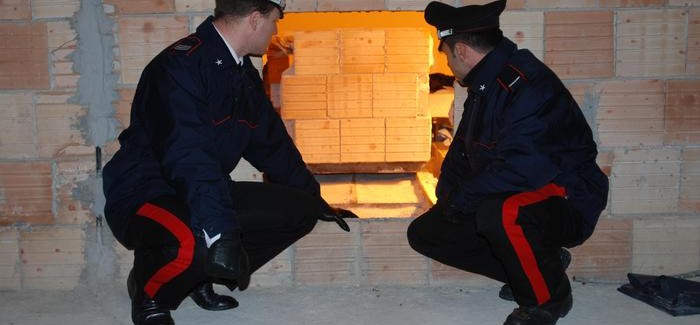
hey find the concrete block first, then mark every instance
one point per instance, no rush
(559, 4)
(406, 5)
(141, 38)
(445, 275)
(125, 261)
(26, 188)
(579, 44)
(195, 5)
(350, 95)
(682, 112)
(338, 189)
(63, 41)
(123, 107)
(631, 3)
(24, 48)
(350, 5)
(318, 140)
(74, 181)
(388, 259)
(693, 64)
(630, 113)
(300, 6)
(690, 181)
(17, 125)
(645, 181)
(276, 272)
(650, 43)
(10, 275)
(386, 189)
(666, 245)
(362, 140)
(525, 29)
(54, 8)
(16, 9)
(58, 129)
(142, 7)
(52, 258)
(607, 255)
(328, 256)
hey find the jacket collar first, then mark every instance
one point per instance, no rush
(219, 51)
(483, 76)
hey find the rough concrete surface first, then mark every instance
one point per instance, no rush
(593, 304)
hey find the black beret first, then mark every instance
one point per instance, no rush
(450, 20)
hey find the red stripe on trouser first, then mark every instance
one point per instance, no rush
(184, 253)
(515, 234)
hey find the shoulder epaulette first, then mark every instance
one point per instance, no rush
(510, 78)
(186, 45)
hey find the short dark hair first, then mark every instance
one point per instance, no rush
(482, 41)
(241, 8)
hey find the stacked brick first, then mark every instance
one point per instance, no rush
(360, 95)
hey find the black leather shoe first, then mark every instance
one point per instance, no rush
(226, 259)
(506, 293)
(205, 297)
(547, 314)
(145, 311)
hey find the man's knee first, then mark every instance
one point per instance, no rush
(307, 224)
(416, 235)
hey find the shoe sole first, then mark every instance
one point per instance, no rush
(207, 307)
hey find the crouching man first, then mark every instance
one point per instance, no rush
(520, 180)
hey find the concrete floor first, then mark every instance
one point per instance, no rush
(593, 304)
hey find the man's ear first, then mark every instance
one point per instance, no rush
(254, 20)
(461, 51)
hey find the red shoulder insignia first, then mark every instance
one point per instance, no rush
(510, 77)
(187, 45)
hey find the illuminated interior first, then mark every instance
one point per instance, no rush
(371, 190)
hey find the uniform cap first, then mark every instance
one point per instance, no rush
(450, 20)
(280, 3)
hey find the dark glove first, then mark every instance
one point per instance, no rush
(337, 215)
(226, 259)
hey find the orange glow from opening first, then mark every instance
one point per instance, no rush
(310, 21)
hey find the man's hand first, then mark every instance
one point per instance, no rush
(337, 215)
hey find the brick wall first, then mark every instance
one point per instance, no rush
(632, 65)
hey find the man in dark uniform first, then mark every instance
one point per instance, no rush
(198, 109)
(520, 180)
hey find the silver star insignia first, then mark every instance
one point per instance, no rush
(219, 62)
(482, 87)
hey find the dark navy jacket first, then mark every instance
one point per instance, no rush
(195, 114)
(521, 130)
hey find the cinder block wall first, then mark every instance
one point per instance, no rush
(68, 70)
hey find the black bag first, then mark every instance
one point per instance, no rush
(673, 295)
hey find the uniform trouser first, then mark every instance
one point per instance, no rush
(512, 238)
(169, 259)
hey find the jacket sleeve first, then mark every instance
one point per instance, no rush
(187, 149)
(523, 159)
(273, 152)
